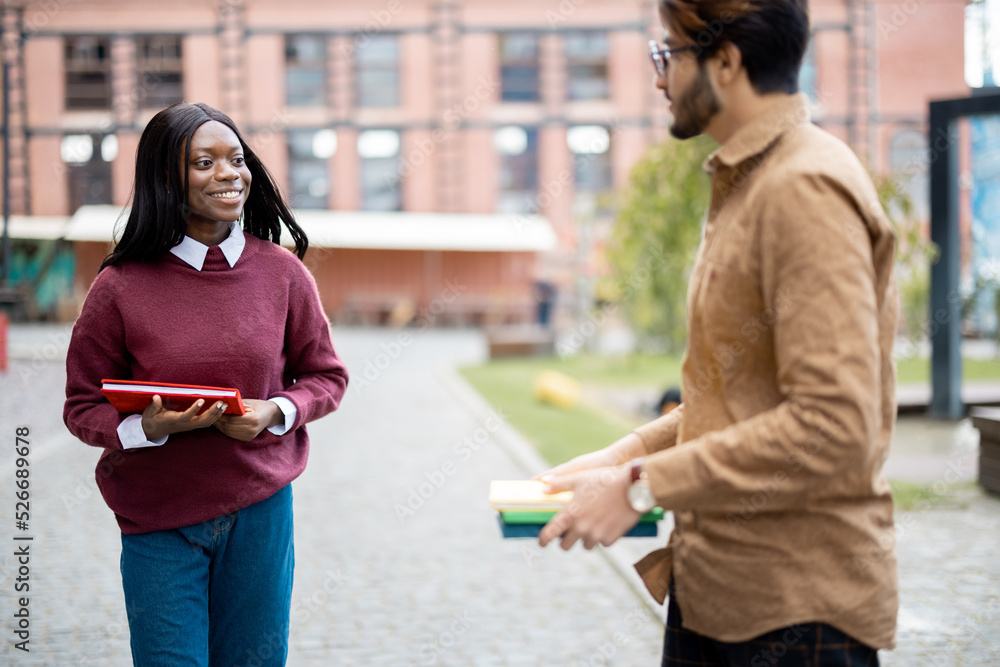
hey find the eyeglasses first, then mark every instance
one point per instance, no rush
(661, 55)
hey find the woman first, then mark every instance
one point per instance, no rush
(203, 499)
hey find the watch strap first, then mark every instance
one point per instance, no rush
(637, 471)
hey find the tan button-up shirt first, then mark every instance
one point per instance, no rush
(773, 464)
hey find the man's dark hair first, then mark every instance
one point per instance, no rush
(159, 215)
(770, 34)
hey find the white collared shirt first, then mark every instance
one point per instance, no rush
(193, 252)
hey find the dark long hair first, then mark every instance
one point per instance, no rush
(159, 215)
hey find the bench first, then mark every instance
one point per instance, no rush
(987, 420)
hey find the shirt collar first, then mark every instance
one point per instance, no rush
(194, 252)
(756, 136)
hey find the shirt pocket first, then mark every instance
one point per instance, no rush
(729, 306)
(733, 348)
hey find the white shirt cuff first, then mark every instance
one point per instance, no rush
(289, 410)
(132, 436)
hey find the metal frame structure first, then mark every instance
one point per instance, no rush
(946, 300)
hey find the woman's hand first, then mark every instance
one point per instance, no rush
(259, 415)
(159, 422)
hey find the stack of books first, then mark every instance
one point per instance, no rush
(523, 509)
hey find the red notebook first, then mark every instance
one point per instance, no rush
(131, 396)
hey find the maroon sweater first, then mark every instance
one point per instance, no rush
(257, 326)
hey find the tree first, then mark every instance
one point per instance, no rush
(914, 255)
(656, 234)
(658, 228)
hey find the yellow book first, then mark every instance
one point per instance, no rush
(525, 495)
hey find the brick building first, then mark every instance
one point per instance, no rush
(509, 114)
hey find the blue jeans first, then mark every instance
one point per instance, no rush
(214, 594)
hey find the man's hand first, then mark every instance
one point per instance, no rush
(159, 422)
(621, 451)
(246, 427)
(599, 512)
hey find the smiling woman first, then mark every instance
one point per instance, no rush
(164, 196)
(217, 182)
(192, 296)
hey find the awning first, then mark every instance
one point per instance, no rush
(93, 223)
(36, 226)
(377, 230)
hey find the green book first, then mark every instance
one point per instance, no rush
(531, 530)
(543, 516)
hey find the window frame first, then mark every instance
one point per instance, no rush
(515, 171)
(520, 68)
(78, 64)
(302, 163)
(580, 66)
(371, 94)
(160, 93)
(316, 70)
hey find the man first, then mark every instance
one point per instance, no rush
(782, 551)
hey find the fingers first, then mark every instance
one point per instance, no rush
(192, 411)
(560, 470)
(213, 414)
(556, 526)
(240, 427)
(547, 534)
(567, 481)
(189, 419)
(556, 471)
(154, 408)
(569, 539)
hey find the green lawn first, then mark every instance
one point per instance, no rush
(628, 370)
(913, 371)
(913, 496)
(560, 434)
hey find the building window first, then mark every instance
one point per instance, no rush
(908, 164)
(519, 67)
(88, 160)
(807, 73)
(587, 66)
(518, 149)
(88, 73)
(376, 71)
(160, 70)
(380, 178)
(591, 148)
(305, 70)
(308, 170)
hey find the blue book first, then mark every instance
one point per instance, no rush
(520, 530)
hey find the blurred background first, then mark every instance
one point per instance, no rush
(501, 166)
(489, 185)
(516, 124)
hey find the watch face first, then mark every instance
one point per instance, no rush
(640, 496)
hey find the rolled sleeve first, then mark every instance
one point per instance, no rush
(132, 436)
(661, 433)
(289, 411)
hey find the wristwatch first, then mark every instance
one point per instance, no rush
(639, 494)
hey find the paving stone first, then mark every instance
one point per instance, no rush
(438, 586)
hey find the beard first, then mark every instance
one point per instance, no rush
(694, 108)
